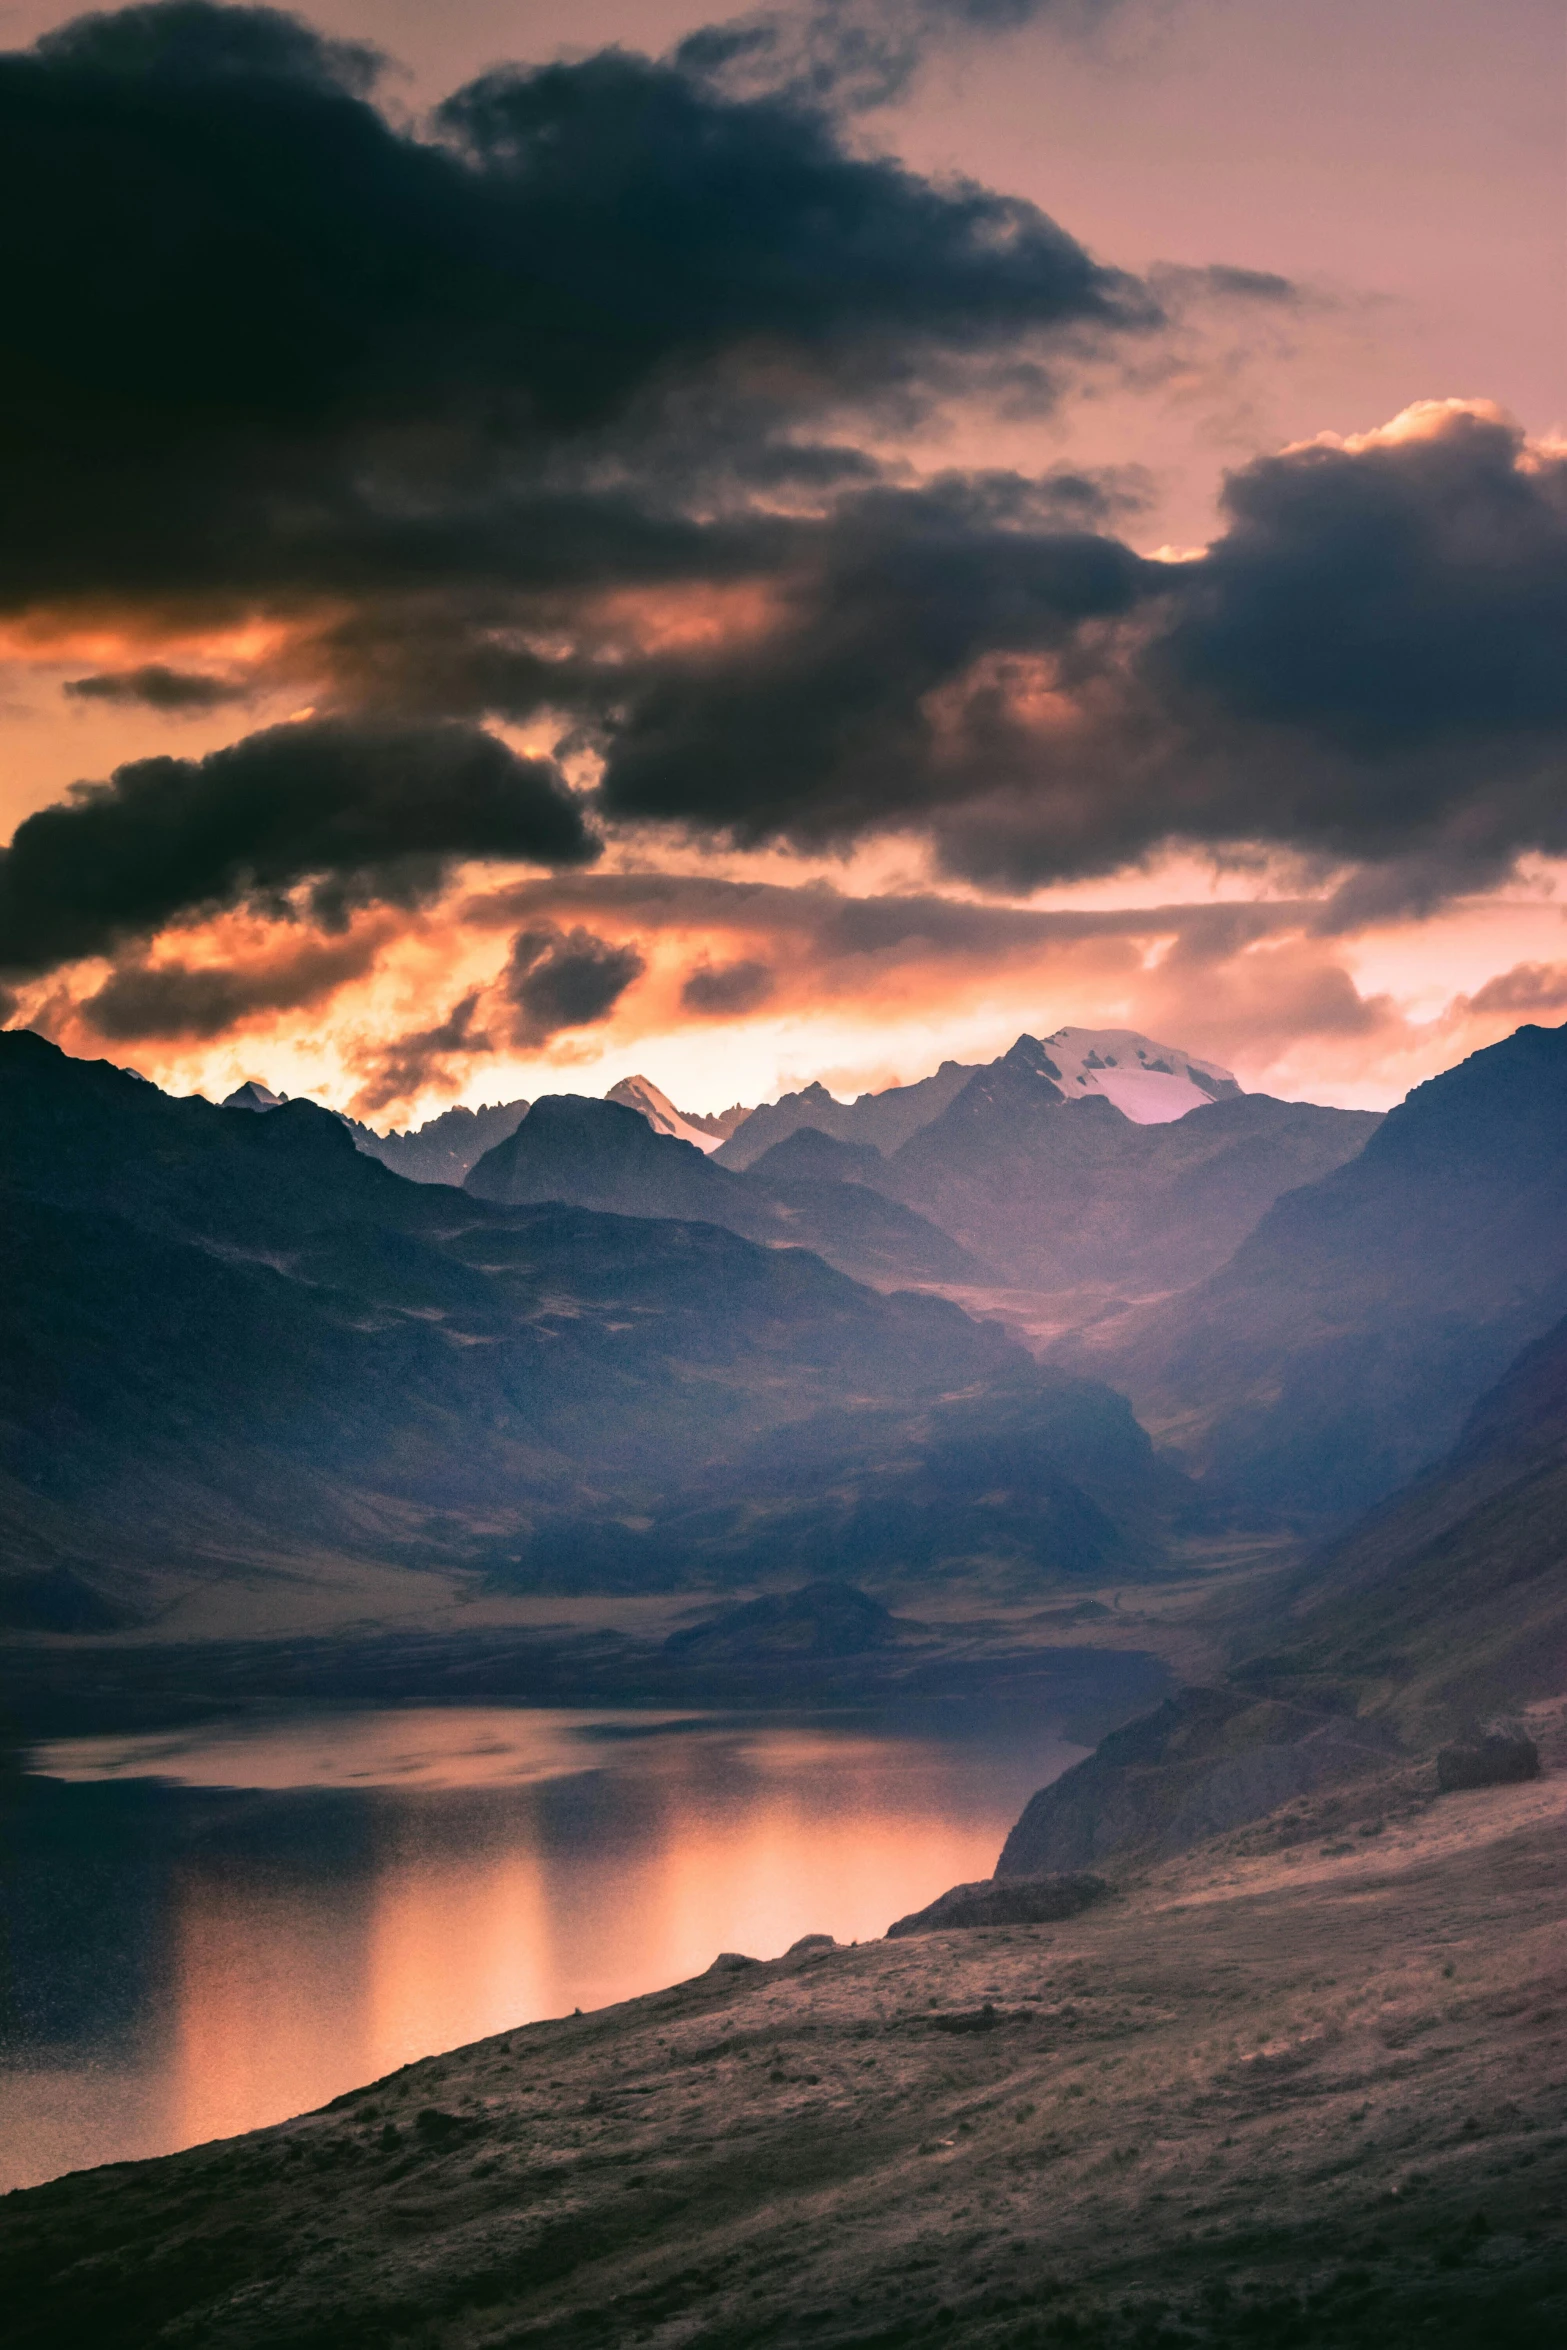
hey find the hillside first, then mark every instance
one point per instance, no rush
(1450, 1599)
(1245, 2101)
(1340, 1349)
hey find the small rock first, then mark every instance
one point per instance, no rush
(810, 1942)
(730, 1962)
(1498, 1757)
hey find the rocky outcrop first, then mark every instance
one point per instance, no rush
(1031, 1901)
(1204, 1762)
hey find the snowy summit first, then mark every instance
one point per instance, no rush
(640, 1093)
(1148, 1083)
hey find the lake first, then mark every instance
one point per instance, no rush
(210, 1930)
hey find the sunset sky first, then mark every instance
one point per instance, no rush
(543, 543)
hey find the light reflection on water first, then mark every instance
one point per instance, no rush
(213, 1930)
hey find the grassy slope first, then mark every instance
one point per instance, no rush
(1453, 1595)
(1341, 1348)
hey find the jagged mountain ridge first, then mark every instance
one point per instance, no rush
(881, 1120)
(607, 1156)
(444, 1148)
(440, 1151)
(1056, 1189)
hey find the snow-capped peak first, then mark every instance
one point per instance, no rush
(1148, 1083)
(641, 1094)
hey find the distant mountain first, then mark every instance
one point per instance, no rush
(607, 1156)
(881, 1120)
(1147, 1082)
(252, 1095)
(640, 1094)
(1340, 1349)
(1057, 1186)
(809, 1156)
(440, 1151)
(444, 1148)
(235, 1341)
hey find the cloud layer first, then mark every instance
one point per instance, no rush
(570, 417)
(358, 811)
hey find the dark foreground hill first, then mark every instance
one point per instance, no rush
(1441, 1609)
(604, 1155)
(227, 1337)
(1298, 2102)
(1449, 1601)
(1341, 1348)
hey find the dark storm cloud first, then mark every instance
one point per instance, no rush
(727, 990)
(258, 339)
(169, 1000)
(1365, 667)
(565, 979)
(824, 727)
(155, 688)
(857, 54)
(356, 809)
(571, 404)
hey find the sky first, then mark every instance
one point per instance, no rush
(549, 544)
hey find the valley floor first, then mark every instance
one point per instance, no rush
(1308, 2086)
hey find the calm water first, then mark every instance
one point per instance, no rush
(211, 1930)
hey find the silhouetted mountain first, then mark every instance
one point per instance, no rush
(231, 1338)
(809, 1156)
(1341, 1348)
(1148, 1083)
(1057, 1190)
(881, 1120)
(444, 1148)
(604, 1155)
(440, 1151)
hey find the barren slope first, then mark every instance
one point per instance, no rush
(1278, 2094)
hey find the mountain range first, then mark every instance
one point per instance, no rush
(605, 1155)
(610, 1356)
(1096, 1157)
(233, 1340)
